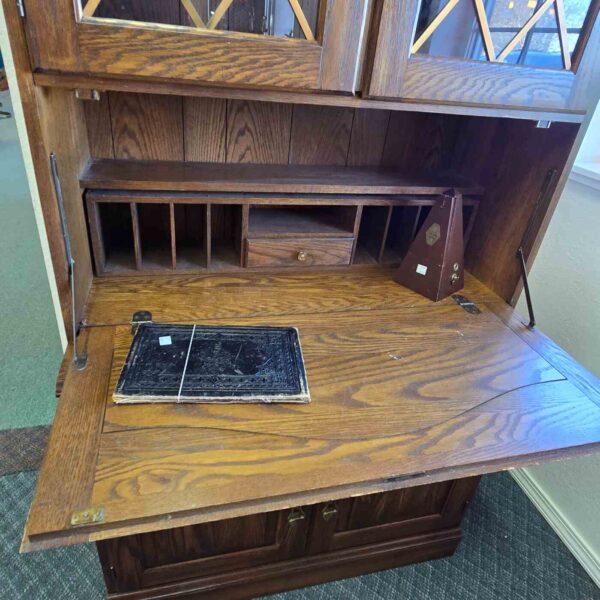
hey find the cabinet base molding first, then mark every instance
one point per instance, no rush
(304, 571)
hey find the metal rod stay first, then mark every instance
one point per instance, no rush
(79, 359)
(521, 258)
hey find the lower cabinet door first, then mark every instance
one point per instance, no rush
(387, 516)
(153, 559)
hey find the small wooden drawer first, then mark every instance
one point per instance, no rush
(299, 252)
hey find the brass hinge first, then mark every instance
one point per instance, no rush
(95, 514)
(21, 8)
(465, 303)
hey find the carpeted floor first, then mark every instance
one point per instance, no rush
(508, 553)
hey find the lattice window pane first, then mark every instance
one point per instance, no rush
(280, 18)
(540, 33)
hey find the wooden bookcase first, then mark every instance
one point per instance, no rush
(220, 176)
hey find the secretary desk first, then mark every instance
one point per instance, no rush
(252, 162)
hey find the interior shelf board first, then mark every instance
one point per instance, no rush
(214, 177)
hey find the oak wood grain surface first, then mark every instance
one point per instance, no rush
(205, 124)
(298, 252)
(181, 88)
(214, 57)
(146, 127)
(189, 176)
(403, 391)
(258, 132)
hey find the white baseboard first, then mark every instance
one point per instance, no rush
(561, 526)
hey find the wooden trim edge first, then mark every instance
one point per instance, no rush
(148, 86)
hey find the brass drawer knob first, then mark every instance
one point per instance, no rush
(302, 255)
(296, 514)
(329, 511)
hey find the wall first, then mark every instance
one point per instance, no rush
(565, 286)
(31, 349)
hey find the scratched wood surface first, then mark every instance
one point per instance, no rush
(403, 391)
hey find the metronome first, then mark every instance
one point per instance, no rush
(434, 263)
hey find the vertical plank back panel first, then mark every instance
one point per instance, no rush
(97, 117)
(367, 139)
(420, 141)
(147, 127)
(258, 132)
(204, 129)
(320, 135)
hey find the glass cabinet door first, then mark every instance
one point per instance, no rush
(521, 53)
(292, 44)
(278, 18)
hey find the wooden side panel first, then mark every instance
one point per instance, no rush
(204, 129)
(258, 132)
(517, 196)
(320, 135)
(147, 127)
(64, 133)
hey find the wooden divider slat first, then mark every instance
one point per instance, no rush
(137, 243)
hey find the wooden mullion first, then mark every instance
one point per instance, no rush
(308, 34)
(484, 27)
(218, 14)
(193, 14)
(437, 21)
(91, 6)
(137, 244)
(561, 22)
(535, 17)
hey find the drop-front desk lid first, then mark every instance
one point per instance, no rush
(404, 392)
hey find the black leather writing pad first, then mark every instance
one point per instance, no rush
(194, 363)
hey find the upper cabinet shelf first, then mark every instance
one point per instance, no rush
(291, 44)
(293, 179)
(536, 54)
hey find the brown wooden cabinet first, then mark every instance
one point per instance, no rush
(501, 53)
(205, 181)
(297, 44)
(268, 552)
